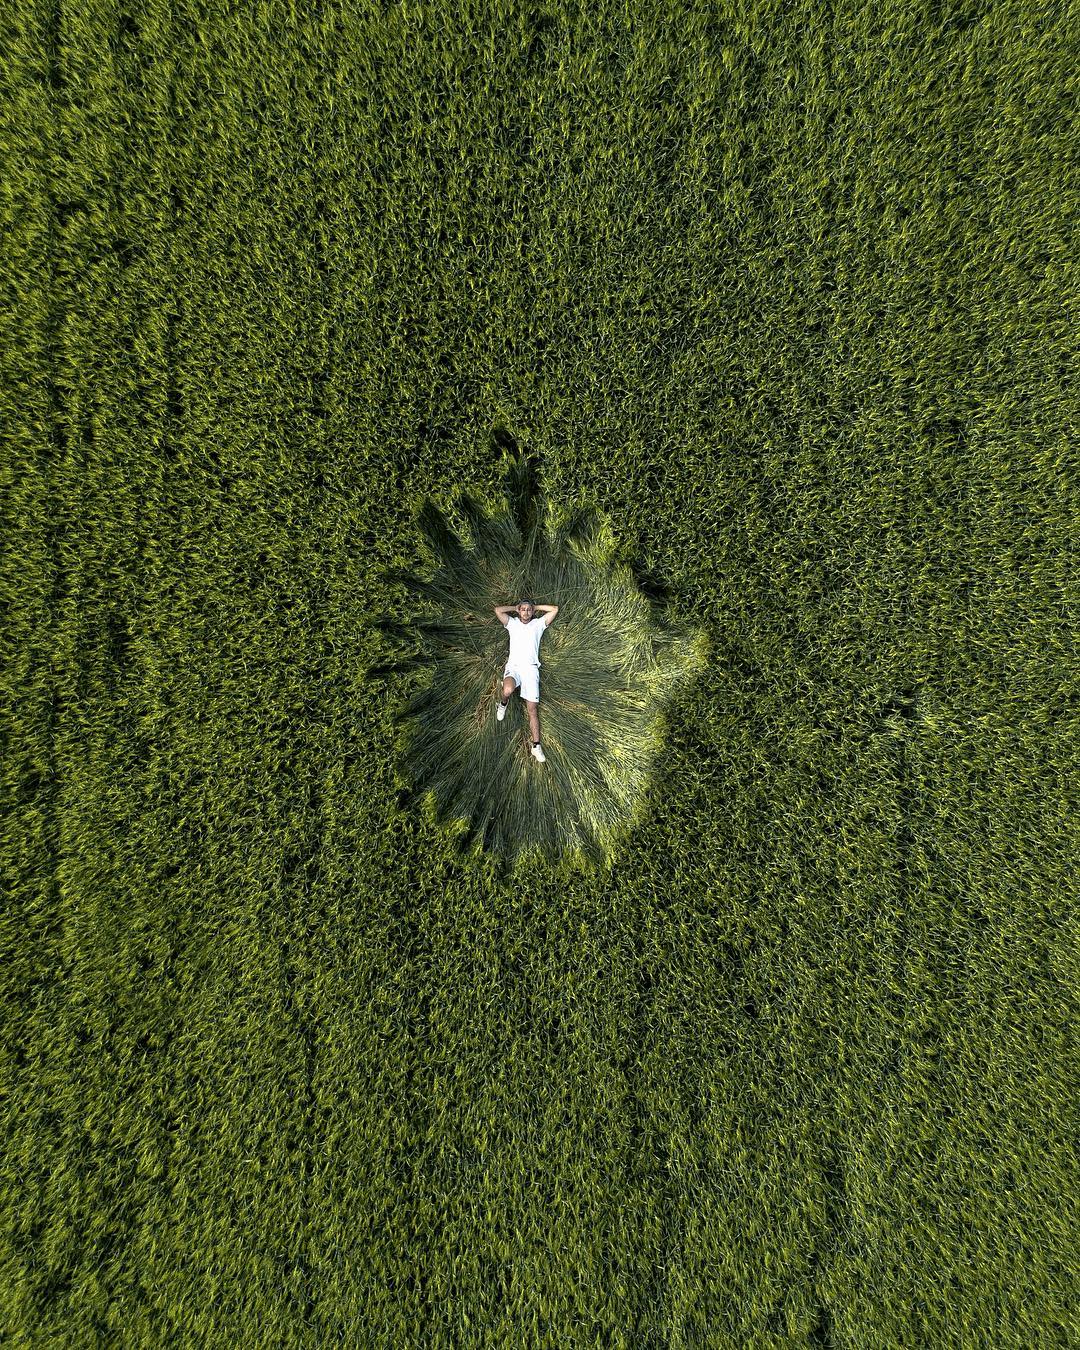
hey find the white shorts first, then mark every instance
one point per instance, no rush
(527, 678)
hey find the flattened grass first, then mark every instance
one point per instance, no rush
(610, 666)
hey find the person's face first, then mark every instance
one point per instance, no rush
(526, 611)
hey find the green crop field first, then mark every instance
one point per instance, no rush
(777, 304)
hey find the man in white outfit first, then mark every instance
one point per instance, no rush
(527, 624)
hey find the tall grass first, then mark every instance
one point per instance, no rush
(785, 294)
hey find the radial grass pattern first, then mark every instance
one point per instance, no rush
(609, 667)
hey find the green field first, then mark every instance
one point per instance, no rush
(788, 295)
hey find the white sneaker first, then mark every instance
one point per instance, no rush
(537, 753)
(500, 711)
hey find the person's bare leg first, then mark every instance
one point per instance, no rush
(534, 719)
(508, 688)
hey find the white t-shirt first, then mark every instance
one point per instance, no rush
(525, 640)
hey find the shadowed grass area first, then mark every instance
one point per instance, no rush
(610, 666)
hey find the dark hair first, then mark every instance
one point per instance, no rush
(525, 602)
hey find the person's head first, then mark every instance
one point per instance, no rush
(526, 609)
